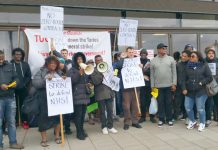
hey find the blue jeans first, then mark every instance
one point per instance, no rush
(200, 103)
(8, 112)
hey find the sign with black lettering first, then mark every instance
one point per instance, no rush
(59, 96)
(127, 32)
(132, 74)
(110, 80)
(52, 21)
(212, 67)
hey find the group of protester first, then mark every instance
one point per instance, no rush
(180, 83)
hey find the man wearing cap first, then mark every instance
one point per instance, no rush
(145, 91)
(164, 77)
(189, 47)
(213, 65)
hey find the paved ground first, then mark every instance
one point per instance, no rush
(150, 137)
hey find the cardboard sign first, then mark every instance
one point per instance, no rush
(150, 54)
(110, 80)
(127, 32)
(59, 96)
(132, 74)
(212, 67)
(52, 21)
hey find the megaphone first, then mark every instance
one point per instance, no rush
(102, 67)
(88, 69)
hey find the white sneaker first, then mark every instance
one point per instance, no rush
(112, 130)
(191, 125)
(201, 127)
(105, 131)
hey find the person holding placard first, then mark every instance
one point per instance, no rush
(68, 62)
(213, 65)
(104, 95)
(164, 77)
(48, 71)
(80, 93)
(130, 107)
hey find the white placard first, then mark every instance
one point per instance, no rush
(212, 67)
(150, 54)
(127, 32)
(132, 74)
(110, 80)
(52, 21)
(59, 96)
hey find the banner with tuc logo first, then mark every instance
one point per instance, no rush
(90, 43)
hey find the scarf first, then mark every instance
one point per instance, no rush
(194, 65)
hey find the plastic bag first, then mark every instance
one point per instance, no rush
(153, 106)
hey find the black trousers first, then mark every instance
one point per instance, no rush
(107, 105)
(145, 100)
(208, 107)
(165, 104)
(67, 119)
(79, 112)
(178, 103)
(215, 99)
(20, 95)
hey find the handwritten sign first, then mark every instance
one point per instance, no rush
(150, 54)
(127, 32)
(51, 21)
(110, 80)
(132, 74)
(212, 67)
(59, 96)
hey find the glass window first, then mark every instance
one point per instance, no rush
(180, 40)
(9, 40)
(150, 41)
(208, 40)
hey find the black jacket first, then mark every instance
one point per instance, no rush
(7, 76)
(23, 72)
(192, 78)
(79, 86)
(102, 92)
(180, 67)
(79, 82)
(146, 70)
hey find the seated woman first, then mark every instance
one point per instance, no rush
(48, 71)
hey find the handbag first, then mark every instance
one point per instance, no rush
(31, 104)
(212, 88)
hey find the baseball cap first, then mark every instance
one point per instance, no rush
(161, 45)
